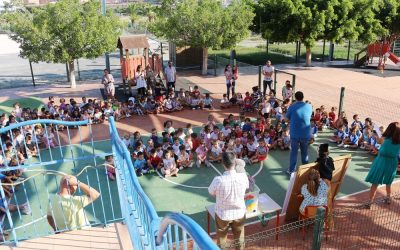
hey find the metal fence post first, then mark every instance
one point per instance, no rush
(259, 77)
(342, 89)
(79, 71)
(275, 71)
(215, 64)
(293, 85)
(348, 51)
(33, 77)
(318, 229)
(67, 69)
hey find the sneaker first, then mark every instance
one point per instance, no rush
(191, 164)
(128, 115)
(180, 168)
(26, 209)
(145, 171)
(332, 140)
(139, 174)
(245, 159)
(362, 146)
(340, 145)
(198, 163)
(288, 172)
(208, 163)
(345, 146)
(19, 179)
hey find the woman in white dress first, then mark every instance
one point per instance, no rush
(140, 77)
(108, 82)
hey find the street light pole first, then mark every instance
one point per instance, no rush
(103, 9)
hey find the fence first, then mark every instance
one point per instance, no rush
(70, 151)
(46, 150)
(302, 234)
(139, 213)
(358, 228)
(17, 71)
(352, 227)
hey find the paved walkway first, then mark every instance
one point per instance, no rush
(115, 236)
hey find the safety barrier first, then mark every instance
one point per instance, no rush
(34, 156)
(143, 223)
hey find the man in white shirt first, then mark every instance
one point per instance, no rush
(268, 71)
(230, 209)
(170, 75)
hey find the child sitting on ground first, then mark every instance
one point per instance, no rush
(201, 152)
(215, 152)
(351, 141)
(154, 160)
(140, 164)
(225, 103)
(183, 158)
(208, 102)
(261, 153)
(169, 168)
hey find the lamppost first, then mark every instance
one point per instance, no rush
(103, 8)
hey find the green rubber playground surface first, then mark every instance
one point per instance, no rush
(42, 182)
(186, 193)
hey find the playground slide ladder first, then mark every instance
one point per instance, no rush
(396, 47)
(361, 60)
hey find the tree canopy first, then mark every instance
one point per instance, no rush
(203, 23)
(308, 21)
(65, 31)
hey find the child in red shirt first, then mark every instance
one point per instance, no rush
(195, 142)
(332, 116)
(247, 101)
(154, 161)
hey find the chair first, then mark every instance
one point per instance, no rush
(311, 212)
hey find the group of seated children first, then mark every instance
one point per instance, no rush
(178, 149)
(96, 111)
(357, 134)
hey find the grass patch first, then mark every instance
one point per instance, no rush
(31, 102)
(283, 53)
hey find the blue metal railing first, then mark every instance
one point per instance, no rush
(73, 150)
(143, 223)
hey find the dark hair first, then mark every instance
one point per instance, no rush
(139, 154)
(393, 132)
(299, 96)
(228, 160)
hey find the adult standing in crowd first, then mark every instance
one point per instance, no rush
(299, 115)
(230, 209)
(66, 210)
(384, 167)
(170, 74)
(108, 82)
(267, 71)
(228, 79)
(235, 76)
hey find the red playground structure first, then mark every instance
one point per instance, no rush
(381, 49)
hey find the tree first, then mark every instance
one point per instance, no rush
(203, 24)
(65, 31)
(308, 21)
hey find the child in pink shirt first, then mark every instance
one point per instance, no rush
(201, 152)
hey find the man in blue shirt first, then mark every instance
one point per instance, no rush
(299, 115)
